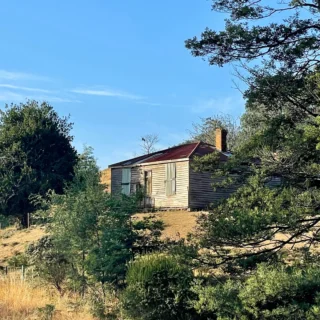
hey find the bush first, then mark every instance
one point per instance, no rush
(50, 262)
(18, 260)
(157, 288)
(272, 292)
(6, 221)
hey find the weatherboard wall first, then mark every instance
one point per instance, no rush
(201, 191)
(158, 195)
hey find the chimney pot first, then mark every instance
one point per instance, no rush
(221, 139)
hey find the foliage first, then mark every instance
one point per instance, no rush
(157, 288)
(18, 260)
(291, 43)
(209, 162)
(276, 167)
(5, 221)
(282, 129)
(36, 155)
(148, 232)
(272, 292)
(105, 305)
(50, 262)
(93, 228)
(205, 130)
(47, 312)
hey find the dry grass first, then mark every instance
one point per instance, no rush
(177, 223)
(13, 241)
(19, 300)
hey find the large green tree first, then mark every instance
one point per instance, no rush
(264, 221)
(35, 155)
(293, 42)
(283, 37)
(96, 230)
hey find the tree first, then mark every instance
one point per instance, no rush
(288, 50)
(95, 229)
(264, 221)
(293, 43)
(148, 144)
(283, 144)
(36, 155)
(206, 130)
(50, 262)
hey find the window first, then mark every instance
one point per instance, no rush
(170, 182)
(126, 177)
(136, 187)
(148, 182)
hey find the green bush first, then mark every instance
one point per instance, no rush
(18, 260)
(272, 292)
(50, 262)
(6, 221)
(157, 288)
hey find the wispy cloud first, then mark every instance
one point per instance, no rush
(107, 93)
(11, 75)
(10, 86)
(9, 96)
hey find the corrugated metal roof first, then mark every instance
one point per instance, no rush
(175, 153)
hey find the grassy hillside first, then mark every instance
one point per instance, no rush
(12, 241)
(25, 300)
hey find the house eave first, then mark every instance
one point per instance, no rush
(149, 163)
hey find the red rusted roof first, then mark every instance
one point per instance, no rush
(184, 151)
(175, 153)
(204, 148)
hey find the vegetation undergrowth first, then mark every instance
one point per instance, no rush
(21, 300)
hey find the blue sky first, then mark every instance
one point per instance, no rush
(119, 68)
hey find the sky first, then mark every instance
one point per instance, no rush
(118, 68)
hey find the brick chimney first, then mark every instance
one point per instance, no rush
(221, 139)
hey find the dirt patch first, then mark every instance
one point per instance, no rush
(177, 223)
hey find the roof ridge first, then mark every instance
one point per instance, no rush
(194, 149)
(146, 156)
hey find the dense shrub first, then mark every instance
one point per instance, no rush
(18, 260)
(157, 288)
(272, 292)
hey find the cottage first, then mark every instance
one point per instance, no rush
(168, 178)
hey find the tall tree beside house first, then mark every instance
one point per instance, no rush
(93, 228)
(262, 236)
(205, 130)
(36, 155)
(148, 143)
